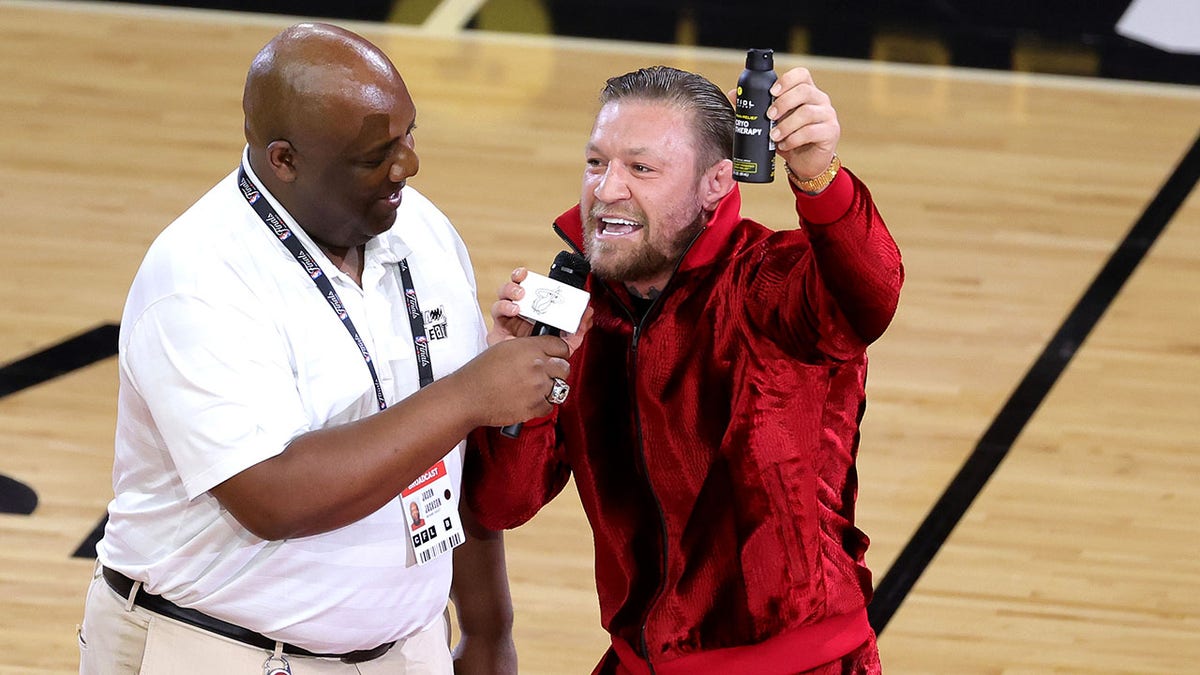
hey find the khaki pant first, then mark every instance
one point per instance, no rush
(116, 640)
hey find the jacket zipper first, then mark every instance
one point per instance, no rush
(662, 518)
(637, 332)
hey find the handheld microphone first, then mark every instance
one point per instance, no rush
(570, 269)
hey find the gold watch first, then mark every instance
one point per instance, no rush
(819, 182)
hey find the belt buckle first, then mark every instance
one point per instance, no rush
(284, 668)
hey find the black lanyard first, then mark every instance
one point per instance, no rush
(416, 322)
(421, 342)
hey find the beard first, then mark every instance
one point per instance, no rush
(641, 261)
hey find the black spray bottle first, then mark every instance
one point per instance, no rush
(753, 149)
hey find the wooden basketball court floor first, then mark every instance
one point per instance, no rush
(1030, 474)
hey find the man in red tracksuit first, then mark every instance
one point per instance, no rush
(713, 426)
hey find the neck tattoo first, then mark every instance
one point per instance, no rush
(650, 294)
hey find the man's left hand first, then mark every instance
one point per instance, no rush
(486, 655)
(806, 125)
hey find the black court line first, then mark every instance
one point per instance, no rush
(82, 350)
(74, 353)
(16, 497)
(87, 547)
(1029, 394)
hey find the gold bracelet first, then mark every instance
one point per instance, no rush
(819, 182)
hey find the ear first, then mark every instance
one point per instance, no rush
(281, 157)
(716, 182)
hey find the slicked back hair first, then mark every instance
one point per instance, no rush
(712, 114)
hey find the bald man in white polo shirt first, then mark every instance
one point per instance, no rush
(301, 355)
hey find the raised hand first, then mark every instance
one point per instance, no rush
(806, 125)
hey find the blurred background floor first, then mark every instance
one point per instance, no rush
(1064, 37)
(1013, 197)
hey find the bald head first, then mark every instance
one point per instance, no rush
(304, 78)
(329, 126)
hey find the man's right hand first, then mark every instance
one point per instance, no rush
(509, 382)
(508, 324)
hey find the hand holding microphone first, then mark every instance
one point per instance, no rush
(555, 304)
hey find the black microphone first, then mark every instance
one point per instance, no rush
(568, 268)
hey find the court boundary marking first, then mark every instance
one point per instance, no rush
(1041, 377)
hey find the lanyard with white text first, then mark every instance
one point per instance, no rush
(280, 229)
(416, 322)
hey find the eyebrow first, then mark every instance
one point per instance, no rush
(637, 152)
(384, 147)
(389, 144)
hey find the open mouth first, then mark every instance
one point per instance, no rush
(617, 227)
(395, 197)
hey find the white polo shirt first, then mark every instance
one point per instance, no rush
(228, 351)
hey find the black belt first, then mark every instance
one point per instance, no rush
(122, 585)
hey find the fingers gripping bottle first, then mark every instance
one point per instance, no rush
(753, 149)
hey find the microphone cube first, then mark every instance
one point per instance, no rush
(552, 302)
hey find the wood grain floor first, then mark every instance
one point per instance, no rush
(1007, 193)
